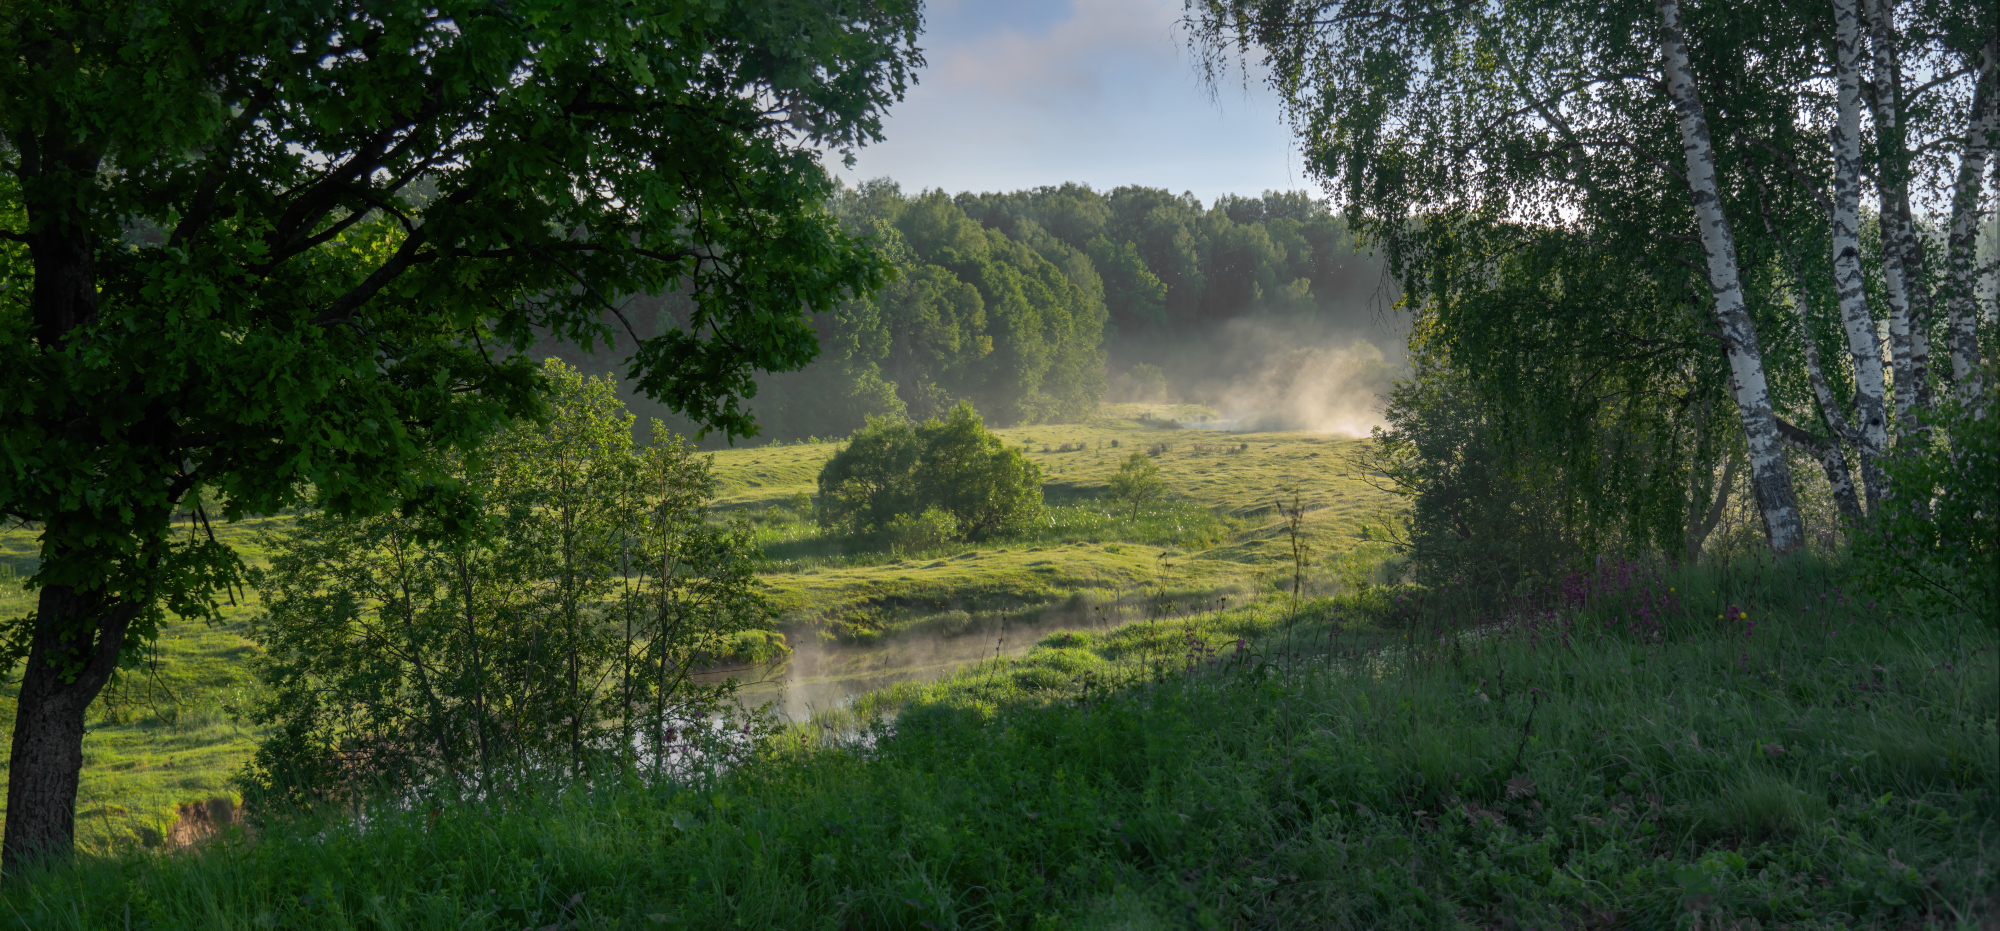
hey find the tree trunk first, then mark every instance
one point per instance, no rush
(1902, 264)
(77, 635)
(1770, 475)
(1962, 312)
(1871, 420)
(1832, 456)
(73, 654)
(1704, 524)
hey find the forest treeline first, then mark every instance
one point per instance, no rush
(1031, 304)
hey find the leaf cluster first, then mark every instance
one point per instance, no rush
(556, 621)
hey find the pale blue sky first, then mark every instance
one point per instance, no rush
(1105, 92)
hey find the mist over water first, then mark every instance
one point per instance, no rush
(823, 676)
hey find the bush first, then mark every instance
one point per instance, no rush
(1483, 510)
(1935, 544)
(917, 533)
(554, 627)
(955, 466)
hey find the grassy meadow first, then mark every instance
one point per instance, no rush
(856, 615)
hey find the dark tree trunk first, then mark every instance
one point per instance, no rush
(74, 652)
(77, 634)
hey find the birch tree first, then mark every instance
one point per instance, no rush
(1902, 254)
(1423, 117)
(1962, 321)
(1871, 421)
(1566, 116)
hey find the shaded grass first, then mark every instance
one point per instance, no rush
(1330, 775)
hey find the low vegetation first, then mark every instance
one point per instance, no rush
(1767, 747)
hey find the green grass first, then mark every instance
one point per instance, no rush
(1219, 527)
(164, 734)
(1834, 767)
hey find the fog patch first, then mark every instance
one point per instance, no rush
(1269, 375)
(825, 676)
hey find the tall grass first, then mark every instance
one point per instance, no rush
(1804, 760)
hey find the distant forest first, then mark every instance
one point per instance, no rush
(1028, 304)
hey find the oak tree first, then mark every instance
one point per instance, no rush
(259, 255)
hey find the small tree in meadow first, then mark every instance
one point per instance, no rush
(1137, 482)
(954, 466)
(549, 617)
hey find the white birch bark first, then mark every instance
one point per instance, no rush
(1831, 453)
(1770, 475)
(1989, 259)
(1961, 308)
(1871, 420)
(1900, 252)
(1832, 457)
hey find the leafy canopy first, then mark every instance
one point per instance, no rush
(298, 249)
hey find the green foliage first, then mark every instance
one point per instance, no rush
(559, 622)
(266, 258)
(1935, 546)
(922, 533)
(955, 466)
(1480, 513)
(1143, 382)
(1012, 301)
(1137, 482)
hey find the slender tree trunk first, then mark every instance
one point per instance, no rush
(1989, 273)
(1871, 426)
(1770, 475)
(1961, 304)
(1902, 256)
(73, 653)
(1832, 456)
(478, 671)
(1704, 524)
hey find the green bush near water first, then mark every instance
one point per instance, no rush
(1829, 766)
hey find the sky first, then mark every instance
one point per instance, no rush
(1023, 93)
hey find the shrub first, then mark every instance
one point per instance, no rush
(955, 466)
(1935, 544)
(917, 533)
(1137, 482)
(556, 625)
(1144, 382)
